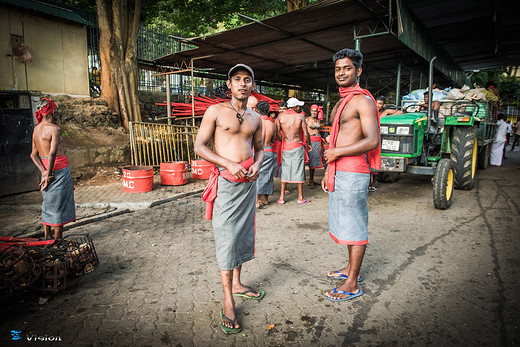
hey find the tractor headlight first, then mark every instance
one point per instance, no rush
(403, 131)
(384, 130)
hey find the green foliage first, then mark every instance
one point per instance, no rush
(202, 17)
(508, 86)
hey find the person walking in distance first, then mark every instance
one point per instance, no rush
(237, 153)
(354, 132)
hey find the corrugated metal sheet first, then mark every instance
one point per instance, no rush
(48, 9)
(414, 35)
(296, 48)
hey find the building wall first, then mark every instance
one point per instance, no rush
(59, 52)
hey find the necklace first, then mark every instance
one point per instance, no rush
(240, 117)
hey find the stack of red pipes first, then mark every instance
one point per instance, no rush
(202, 103)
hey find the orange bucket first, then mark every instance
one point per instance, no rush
(137, 179)
(200, 169)
(174, 173)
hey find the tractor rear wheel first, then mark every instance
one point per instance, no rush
(443, 180)
(464, 155)
(483, 156)
(387, 177)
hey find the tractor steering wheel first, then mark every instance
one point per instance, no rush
(419, 106)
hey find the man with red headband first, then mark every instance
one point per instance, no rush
(58, 206)
(316, 155)
(354, 138)
(237, 152)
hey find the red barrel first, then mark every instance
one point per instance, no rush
(200, 169)
(137, 179)
(174, 173)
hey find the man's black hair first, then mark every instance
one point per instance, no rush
(501, 116)
(490, 84)
(263, 108)
(382, 98)
(352, 54)
(282, 104)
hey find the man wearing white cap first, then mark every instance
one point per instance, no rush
(291, 124)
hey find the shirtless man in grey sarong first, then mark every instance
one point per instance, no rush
(58, 206)
(235, 130)
(292, 129)
(265, 184)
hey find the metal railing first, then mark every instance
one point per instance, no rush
(151, 143)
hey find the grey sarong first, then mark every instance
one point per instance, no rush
(348, 208)
(264, 183)
(234, 223)
(293, 165)
(58, 206)
(315, 155)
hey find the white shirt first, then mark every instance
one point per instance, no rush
(501, 131)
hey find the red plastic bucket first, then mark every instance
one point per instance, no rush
(174, 173)
(200, 169)
(137, 179)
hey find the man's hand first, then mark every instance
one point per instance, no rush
(324, 183)
(330, 155)
(236, 170)
(46, 180)
(253, 173)
(309, 147)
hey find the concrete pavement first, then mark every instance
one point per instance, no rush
(431, 277)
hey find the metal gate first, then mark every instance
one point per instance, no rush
(151, 144)
(17, 171)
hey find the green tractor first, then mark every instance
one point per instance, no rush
(449, 148)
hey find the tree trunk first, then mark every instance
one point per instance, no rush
(295, 4)
(118, 27)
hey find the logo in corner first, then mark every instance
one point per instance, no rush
(16, 335)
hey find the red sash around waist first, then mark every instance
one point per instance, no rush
(317, 138)
(357, 163)
(287, 146)
(210, 193)
(268, 149)
(60, 162)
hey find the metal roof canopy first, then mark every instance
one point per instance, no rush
(53, 9)
(296, 48)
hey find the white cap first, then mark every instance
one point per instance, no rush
(293, 102)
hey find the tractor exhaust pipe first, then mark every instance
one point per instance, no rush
(430, 93)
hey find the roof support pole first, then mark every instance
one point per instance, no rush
(192, 95)
(168, 103)
(398, 84)
(411, 80)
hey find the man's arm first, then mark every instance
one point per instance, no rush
(306, 134)
(55, 141)
(204, 135)
(258, 145)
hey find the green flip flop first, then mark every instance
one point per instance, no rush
(251, 290)
(224, 328)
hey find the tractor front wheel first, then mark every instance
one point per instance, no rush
(443, 180)
(464, 155)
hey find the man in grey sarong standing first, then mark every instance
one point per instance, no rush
(265, 183)
(293, 129)
(56, 185)
(236, 130)
(354, 132)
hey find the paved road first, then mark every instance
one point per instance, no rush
(431, 277)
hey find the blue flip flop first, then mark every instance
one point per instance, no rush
(344, 277)
(350, 295)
